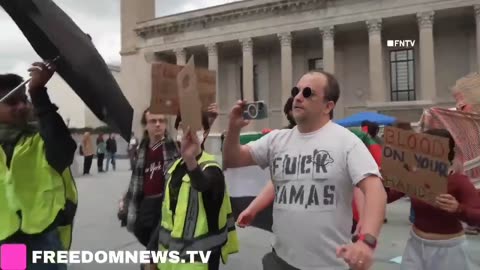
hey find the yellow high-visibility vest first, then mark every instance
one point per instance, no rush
(187, 230)
(32, 193)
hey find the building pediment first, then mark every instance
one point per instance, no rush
(229, 14)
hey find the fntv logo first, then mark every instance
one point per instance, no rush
(400, 43)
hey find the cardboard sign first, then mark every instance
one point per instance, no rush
(165, 98)
(190, 104)
(415, 163)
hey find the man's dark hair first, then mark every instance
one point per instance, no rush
(332, 90)
(365, 123)
(143, 121)
(9, 82)
(372, 128)
(287, 109)
(445, 134)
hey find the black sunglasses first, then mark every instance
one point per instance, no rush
(307, 92)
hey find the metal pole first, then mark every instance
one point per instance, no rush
(25, 82)
(14, 90)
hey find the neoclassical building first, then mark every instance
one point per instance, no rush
(72, 109)
(260, 48)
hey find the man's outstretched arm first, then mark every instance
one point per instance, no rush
(262, 201)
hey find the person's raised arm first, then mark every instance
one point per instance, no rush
(236, 155)
(59, 144)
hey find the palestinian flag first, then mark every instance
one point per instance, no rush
(373, 146)
(244, 184)
(375, 150)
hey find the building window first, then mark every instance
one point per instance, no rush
(402, 75)
(315, 64)
(255, 83)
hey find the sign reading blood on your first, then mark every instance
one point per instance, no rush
(415, 163)
(165, 89)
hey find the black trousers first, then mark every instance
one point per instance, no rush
(100, 158)
(148, 217)
(87, 164)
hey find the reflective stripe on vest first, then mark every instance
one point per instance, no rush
(202, 243)
(187, 236)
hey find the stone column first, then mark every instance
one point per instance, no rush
(286, 66)
(376, 68)
(181, 55)
(213, 66)
(213, 61)
(135, 86)
(477, 19)
(427, 56)
(328, 34)
(132, 12)
(247, 47)
(212, 56)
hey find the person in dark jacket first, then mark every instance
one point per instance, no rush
(37, 195)
(111, 151)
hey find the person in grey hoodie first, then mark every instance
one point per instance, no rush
(101, 150)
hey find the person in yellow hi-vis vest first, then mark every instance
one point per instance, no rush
(196, 211)
(38, 197)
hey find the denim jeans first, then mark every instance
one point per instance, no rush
(48, 241)
(110, 159)
(412, 215)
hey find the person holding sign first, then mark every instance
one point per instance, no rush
(196, 188)
(314, 167)
(212, 114)
(437, 236)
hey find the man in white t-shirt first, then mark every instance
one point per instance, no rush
(314, 168)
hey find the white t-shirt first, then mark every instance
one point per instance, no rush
(314, 175)
(133, 143)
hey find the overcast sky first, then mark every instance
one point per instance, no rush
(99, 18)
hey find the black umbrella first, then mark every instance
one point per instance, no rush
(53, 35)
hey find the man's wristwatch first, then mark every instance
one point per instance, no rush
(368, 239)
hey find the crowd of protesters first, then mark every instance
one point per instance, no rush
(177, 195)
